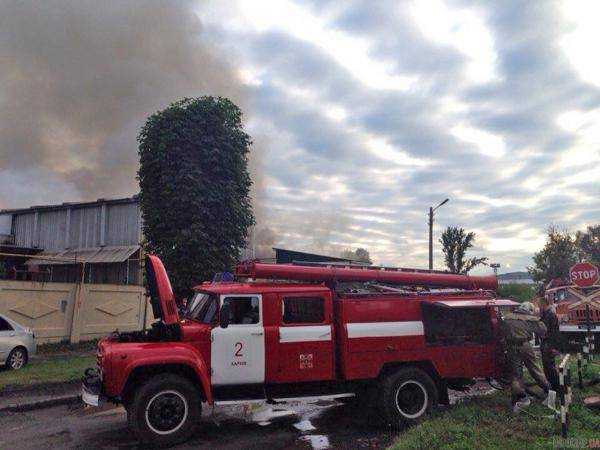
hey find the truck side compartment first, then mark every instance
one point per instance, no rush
(378, 332)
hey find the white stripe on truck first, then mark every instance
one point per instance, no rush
(305, 333)
(385, 329)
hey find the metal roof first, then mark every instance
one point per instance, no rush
(97, 255)
(289, 256)
(70, 205)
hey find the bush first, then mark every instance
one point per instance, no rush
(518, 292)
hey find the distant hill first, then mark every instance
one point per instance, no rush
(515, 277)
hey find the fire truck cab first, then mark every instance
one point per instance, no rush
(399, 338)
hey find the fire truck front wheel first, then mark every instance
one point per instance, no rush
(165, 410)
(406, 396)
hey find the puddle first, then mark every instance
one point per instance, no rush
(263, 412)
(304, 425)
(317, 441)
(301, 414)
(322, 424)
(265, 416)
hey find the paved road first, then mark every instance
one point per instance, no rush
(317, 425)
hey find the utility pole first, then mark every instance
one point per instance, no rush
(431, 211)
(430, 238)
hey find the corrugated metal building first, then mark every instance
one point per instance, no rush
(105, 234)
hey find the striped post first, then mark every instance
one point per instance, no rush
(586, 348)
(569, 396)
(564, 407)
(588, 337)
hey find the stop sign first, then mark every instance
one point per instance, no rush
(584, 274)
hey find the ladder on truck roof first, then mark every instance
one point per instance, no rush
(365, 266)
(335, 273)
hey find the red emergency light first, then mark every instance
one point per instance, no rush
(404, 277)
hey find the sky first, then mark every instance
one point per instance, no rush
(363, 114)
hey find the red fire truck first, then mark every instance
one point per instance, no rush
(577, 302)
(401, 337)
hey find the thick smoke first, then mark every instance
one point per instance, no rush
(78, 80)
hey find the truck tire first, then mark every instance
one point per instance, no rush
(406, 396)
(165, 410)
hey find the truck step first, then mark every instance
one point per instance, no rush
(312, 398)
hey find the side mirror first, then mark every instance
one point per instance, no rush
(224, 315)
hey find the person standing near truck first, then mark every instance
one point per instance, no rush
(552, 341)
(519, 327)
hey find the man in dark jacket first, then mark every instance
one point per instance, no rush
(519, 327)
(551, 343)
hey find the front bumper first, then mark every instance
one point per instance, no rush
(91, 388)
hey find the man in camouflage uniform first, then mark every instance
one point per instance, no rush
(552, 342)
(519, 327)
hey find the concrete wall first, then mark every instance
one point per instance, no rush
(65, 311)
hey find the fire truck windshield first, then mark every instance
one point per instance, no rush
(202, 307)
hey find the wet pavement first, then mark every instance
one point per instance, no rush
(317, 425)
(305, 425)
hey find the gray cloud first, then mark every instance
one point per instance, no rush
(536, 84)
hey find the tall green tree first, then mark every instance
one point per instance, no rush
(559, 253)
(362, 255)
(455, 243)
(195, 188)
(588, 243)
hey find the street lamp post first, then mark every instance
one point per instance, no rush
(431, 211)
(495, 267)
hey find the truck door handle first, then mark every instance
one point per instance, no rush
(257, 333)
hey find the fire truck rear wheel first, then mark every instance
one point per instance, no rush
(407, 395)
(165, 410)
